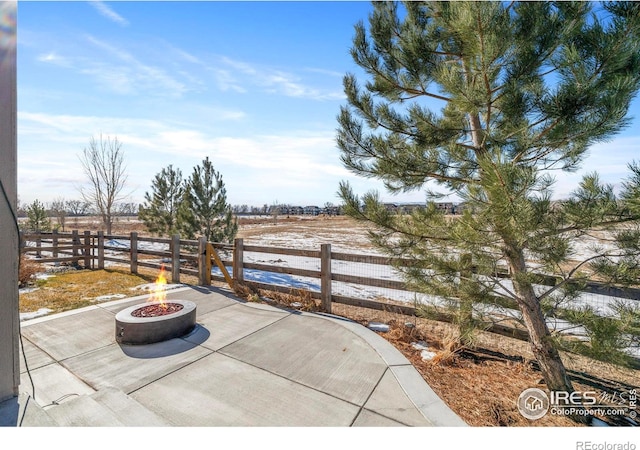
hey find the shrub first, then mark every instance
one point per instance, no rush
(27, 271)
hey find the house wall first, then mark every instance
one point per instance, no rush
(9, 308)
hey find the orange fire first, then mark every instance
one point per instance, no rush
(158, 291)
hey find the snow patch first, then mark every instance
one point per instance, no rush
(33, 315)
(151, 287)
(103, 298)
(27, 290)
(425, 353)
(377, 326)
(43, 276)
(421, 345)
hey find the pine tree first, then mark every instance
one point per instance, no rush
(204, 210)
(159, 212)
(485, 100)
(37, 219)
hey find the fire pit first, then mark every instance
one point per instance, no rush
(152, 322)
(156, 320)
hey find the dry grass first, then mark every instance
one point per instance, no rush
(296, 231)
(78, 288)
(121, 225)
(295, 299)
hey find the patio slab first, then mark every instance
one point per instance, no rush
(314, 352)
(130, 367)
(230, 324)
(244, 364)
(67, 336)
(223, 391)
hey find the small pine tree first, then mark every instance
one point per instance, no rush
(159, 212)
(204, 210)
(37, 219)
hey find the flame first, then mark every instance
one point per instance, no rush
(158, 291)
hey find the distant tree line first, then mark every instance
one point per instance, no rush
(48, 216)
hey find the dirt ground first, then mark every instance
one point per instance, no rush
(481, 384)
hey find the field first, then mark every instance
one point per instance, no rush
(481, 384)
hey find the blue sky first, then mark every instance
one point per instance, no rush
(255, 86)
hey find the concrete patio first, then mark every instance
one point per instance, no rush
(245, 364)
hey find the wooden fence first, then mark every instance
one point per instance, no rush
(198, 257)
(92, 250)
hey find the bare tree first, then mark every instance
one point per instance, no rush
(103, 163)
(126, 208)
(77, 207)
(58, 209)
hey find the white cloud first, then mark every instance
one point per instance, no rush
(54, 58)
(331, 73)
(225, 81)
(133, 78)
(109, 13)
(240, 66)
(297, 162)
(290, 86)
(231, 74)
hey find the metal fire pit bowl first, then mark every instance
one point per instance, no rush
(134, 330)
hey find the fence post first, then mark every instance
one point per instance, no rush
(325, 277)
(75, 242)
(100, 249)
(133, 245)
(204, 263)
(54, 243)
(208, 248)
(175, 258)
(39, 244)
(87, 250)
(238, 266)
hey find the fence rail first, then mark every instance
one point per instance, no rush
(199, 258)
(94, 250)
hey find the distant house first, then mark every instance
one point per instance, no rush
(447, 207)
(391, 207)
(312, 210)
(331, 210)
(408, 208)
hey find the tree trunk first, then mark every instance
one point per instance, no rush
(466, 322)
(551, 365)
(545, 352)
(106, 220)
